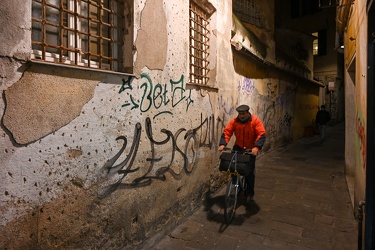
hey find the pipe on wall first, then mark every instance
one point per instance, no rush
(361, 206)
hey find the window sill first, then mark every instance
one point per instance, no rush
(80, 68)
(203, 87)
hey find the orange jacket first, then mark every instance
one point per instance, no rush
(248, 135)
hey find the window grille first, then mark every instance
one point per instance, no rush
(86, 33)
(247, 11)
(199, 45)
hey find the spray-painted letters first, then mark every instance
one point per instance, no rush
(158, 95)
(184, 147)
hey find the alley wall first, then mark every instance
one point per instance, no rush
(92, 159)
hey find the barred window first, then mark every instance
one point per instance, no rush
(85, 33)
(199, 45)
(247, 11)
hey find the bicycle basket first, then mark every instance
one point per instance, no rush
(227, 163)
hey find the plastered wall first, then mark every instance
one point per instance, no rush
(151, 35)
(39, 104)
(102, 160)
(357, 50)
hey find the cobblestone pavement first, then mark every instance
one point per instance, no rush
(301, 202)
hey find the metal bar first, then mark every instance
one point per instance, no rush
(61, 34)
(43, 29)
(102, 29)
(199, 47)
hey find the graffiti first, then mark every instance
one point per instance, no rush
(227, 109)
(193, 139)
(220, 125)
(176, 153)
(271, 91)
(282, 101)
(157, 96)
(285, 122)
(269, 114)
(271, 131)
(246, 87)
(361, 132)
(277, 121)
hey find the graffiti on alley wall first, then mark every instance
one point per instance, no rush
(184, 144)
(361, 133)
(176, 154)
(157, 96)
(246, 87)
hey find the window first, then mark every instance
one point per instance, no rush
(320, 43)
(199, 45)
(315, 43)
(86, 33)
(247, 11)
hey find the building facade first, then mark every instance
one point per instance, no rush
(112, 111)
(355, 25)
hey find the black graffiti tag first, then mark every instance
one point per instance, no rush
(201, 136)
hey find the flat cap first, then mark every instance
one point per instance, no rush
(242, 108)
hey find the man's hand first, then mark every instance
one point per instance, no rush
(254, 151)
(221, 147)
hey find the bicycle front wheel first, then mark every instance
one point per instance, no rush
(231, 198)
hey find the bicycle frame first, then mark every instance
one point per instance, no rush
(235, 185)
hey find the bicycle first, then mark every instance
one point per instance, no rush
(236, 164)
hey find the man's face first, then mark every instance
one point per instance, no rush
(243, 115)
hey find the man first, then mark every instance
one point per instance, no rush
(250, 134)
(321, 119)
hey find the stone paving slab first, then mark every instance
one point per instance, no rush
(301, 202)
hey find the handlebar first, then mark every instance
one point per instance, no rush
(245, 151)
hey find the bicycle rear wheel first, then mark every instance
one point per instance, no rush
(231, 198)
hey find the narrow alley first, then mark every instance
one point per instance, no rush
(301, 202)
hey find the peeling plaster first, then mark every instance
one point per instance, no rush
(38, 104)
(15, 28)
(152, 39)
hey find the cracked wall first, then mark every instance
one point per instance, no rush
(39, 103)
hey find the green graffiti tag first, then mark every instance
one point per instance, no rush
(126, 84)
(157, 96)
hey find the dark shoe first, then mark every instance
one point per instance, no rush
(249, 200)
